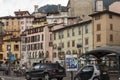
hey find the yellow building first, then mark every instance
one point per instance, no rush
(41, 21)
(11, 38)
(106, 25)
(13, 27)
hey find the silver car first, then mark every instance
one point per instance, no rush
(92, 72)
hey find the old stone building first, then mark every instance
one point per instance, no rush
(82, 8)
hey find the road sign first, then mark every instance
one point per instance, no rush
(12, 57)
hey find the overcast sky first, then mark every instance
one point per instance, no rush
(7, 7)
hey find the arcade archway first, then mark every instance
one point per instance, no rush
(112, 52)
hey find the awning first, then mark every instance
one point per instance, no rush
(103, 51)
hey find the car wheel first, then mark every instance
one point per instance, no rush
(47, 77)
(27, 77)
(60, 78)
(96, 78)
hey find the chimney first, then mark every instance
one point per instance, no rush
(35, 8)
(99, 5)
(59, 8)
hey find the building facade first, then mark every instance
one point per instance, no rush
(76, 38)
(11, 38)
(82, 8)
(36, 42)
(25, 21)
(106, 28)
(13, 27)
(58, 17)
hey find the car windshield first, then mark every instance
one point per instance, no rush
(46, 65)
(54, 65)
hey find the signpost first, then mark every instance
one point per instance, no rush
(12, 57)
(71, 63)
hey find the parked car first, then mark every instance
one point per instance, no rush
(2, 78)
(92, 72)
(46, 71)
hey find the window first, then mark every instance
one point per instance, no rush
(62, 36)
(88, 69)
(86, 41)
(47, 54)
(51, 44)
(30, 55)
(0, 47)
(54, 36)
(42, 37)
(59, 34)
(50, 36)
(22, 22)
(68, 34)
(1, 56)
(16, 47)
(35, 46)
(7, 23)
(111, 37)
(54, 55)
(73, 43)
(73, 33)
(12, 23)
(97, 17)
(111, 26)
(86, 28)
(28, 47)
(54, 46)
(28, 39)
(79, 30)
(33, 55)
(31, 47)
(41, 45)
(40, 55)
(18, 23)
(98, 37)
(62, 45)
(98, 27)
(110, 16)
(68, 44)
(38, 37)
(32, 38)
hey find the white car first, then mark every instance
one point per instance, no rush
(92, 72)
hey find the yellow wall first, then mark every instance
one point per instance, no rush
(14, 30)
